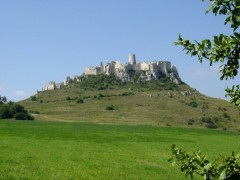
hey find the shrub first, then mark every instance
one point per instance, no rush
(127, 94)
(111, 107)
(211, 122)
(191, 121)
(5, 113)
(211, 125)
(225, 115)
(101, 95)
(68, 98)
(193, 104)
(222, 109)
(33, 98)
(23, 116)
(80, 100)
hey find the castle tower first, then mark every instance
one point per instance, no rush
(131, 59)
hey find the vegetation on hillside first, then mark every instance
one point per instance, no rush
(105, 99)
(103, 82)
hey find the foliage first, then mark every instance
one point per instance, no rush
(193, 104)
(68, 98)
(191, 121)
(23, 116)
(33, 98)
(104, 82)
(126, 94)
(13, 110)
(80, 100)
(100, 82)
(223, 48)
(198, 164)
(3, 99)
(110, 107)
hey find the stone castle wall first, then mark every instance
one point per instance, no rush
(148, 70)
(145, 70)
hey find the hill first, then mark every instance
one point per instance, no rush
(106, 99)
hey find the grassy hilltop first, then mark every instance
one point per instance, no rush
(104, 99)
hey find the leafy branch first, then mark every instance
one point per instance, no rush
(222, 48)
(197, 164)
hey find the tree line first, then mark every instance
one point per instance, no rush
(10, 109)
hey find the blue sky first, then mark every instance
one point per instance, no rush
(42, 40)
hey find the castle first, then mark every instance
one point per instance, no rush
(146, 71)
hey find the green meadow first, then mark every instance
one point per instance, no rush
(73, 150)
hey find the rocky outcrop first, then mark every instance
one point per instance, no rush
(131, 71)
(143, 71)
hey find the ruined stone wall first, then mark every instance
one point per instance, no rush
(51, 86)
(146, 71)
(93, 71)
(143, 66)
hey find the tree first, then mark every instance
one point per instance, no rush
(196, 163)
(4, 99)
(224, 49)
(11, 109)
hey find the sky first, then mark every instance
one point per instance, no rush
(43, 40)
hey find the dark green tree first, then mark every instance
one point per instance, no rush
(4, 99)
(13, 110)
(224, 49)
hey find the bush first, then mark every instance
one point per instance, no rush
(211, 125)
(80, 100)
(211, 122)
(225, 115)
(68, 98)
(191, 121)
(222, 109)
(126, 94)
(23, 116)
(111, 107)
(5, 113)
(101, 95)
(193, 104)
(33, 98)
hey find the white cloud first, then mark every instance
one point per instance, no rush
(207, 71)
(20, 93)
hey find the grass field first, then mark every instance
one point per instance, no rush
(59, 150)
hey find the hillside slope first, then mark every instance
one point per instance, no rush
(104, 99)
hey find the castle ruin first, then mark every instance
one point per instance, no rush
(146, 71)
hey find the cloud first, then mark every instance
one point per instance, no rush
(20, 93)
(207, 71)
